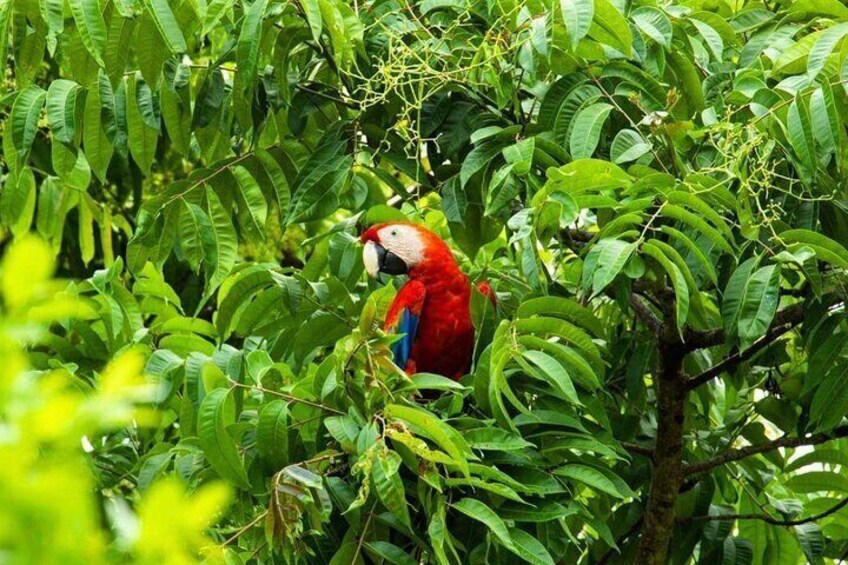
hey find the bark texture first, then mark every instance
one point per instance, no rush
(668, 472)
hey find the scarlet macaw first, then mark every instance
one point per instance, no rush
(433, 309)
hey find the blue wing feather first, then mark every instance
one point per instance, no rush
(407, 325)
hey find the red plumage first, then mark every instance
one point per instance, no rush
(439, 294)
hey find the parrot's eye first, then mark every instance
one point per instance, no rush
(394, 233)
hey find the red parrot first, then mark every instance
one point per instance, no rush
(433, 309)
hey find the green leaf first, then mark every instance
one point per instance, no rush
(698, 205)
(17, 201)
(580, 176)
(5, 19)
(758, 305)
(86, 229)
(167, 25)
(142, 138)
(794, 58)
(478, 511)
(520, 155)
(389, 553)
(823, 47)
(586, 130)
(611, 255)
(591, 477)
(24, 118)
(627, 146)
(52, 12)
(91, 26)
(826, 248)
(247, 48)
(564, 308)
(554, 373)
(312, 11)
(544, 325)
(495, 439)
(62, 109)
(272, 434)
(252, 207)
(544, 511)
(216, 413)
(830, 456)
(215, 10)
(529, 548)
(812, 541)
(221, 245)
(801, 137)
(611, 28)
(176, 110)
(678, 281)
(388, 484)
(316, 191)
(429, 381)
(479, 159)
(830, 8)
(427, 425)
(577, 15)
(694, 250)
(830, 402)
(699, 225)
(653, 23)
(279, 180)
(210, 98)
(711, 38)
(233, 296)
(148, 104)
(195, 234)
(582, 372)
(98, 149)
(734, 295)
(818, 481)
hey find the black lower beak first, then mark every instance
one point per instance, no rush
(390, 263)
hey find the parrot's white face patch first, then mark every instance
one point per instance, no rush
(372, 262)
(404, 241)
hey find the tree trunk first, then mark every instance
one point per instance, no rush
(667, 474)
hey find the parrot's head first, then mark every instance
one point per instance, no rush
(399, 248)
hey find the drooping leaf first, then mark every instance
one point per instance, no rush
(24, 118)
(91, 26)
(759, 304)
(215, 414)
(578, 16)
(272, 440)
(586, 130)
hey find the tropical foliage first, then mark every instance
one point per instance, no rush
(193, 366)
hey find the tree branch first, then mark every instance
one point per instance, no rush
(769, 519)
(740, 356)
(646, 314)
(638, 449)
(702, 339)
(747, 451)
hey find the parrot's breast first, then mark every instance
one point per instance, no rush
(445, 340)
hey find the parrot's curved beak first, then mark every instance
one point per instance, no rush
(378, 260)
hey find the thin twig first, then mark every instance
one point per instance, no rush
(769, 519)
(747, 451)
(362, 537)
(288, 397)
(252, 523)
